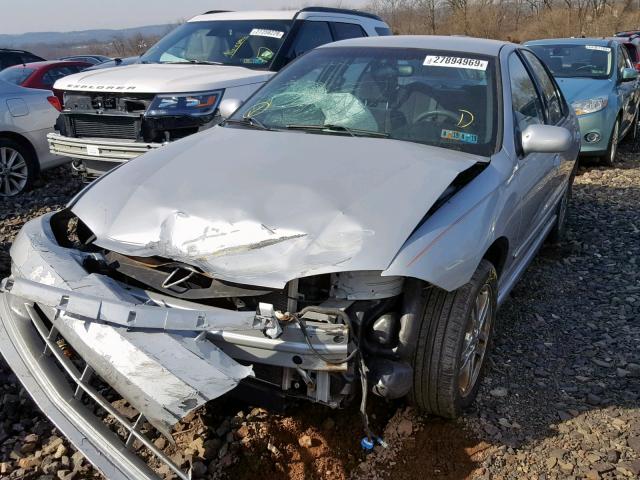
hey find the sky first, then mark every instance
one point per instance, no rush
(20, 16)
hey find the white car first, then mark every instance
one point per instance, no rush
(189, 81)
(26, 117)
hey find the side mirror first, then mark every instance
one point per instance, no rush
(228, 107)
(629, 74)
(546, 139)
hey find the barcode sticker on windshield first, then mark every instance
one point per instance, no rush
(597, 47)
(455, 62)
(261, 32)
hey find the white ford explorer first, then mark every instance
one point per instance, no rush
(189, 81)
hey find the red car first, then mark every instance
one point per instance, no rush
(42, 75)
(631, 43)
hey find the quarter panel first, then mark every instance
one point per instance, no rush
(447, 248)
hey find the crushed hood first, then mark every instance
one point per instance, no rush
(262, 208)
(156, 78)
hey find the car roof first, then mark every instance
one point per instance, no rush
(601, 42)
(280, 14)
(247, 15)
(480, 46)
(47, 63)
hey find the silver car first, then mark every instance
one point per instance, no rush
(353, 228)
(26, 117)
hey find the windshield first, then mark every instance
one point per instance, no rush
(592, 61)
(248, 43)
(445, 99)
(16, 75)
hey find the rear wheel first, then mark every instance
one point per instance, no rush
(453, 341)
(17, 168)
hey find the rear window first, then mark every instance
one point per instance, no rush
(16, 75)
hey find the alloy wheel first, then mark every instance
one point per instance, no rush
(14, 172)
(476, 340)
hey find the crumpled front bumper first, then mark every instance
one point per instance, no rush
(163, 373)
(165, 358)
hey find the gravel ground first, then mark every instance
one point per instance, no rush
(560, 399)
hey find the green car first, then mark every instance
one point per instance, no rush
(597, 77)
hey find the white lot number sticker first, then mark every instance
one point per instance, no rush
(597, 47)
(455, 62)
(93, 151)
(261, 32)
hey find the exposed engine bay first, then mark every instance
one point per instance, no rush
(313, 339)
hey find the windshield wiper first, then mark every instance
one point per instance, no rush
(354, 132)
(248, 121)
(193, 62)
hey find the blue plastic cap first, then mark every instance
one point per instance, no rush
(366, 443)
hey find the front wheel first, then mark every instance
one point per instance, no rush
(453, 341)
(609, 158)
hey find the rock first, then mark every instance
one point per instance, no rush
(328, 424)
(593, 475)
(28, 463)
(160, 443)
(305, 441)
(405, 427)
(499, 392)
(60, 451)
(198, 470)
(31, 438)
(566, 467)
(5, 467)
(634, 443)
(593, 399)
(558, 453)
(551, 462)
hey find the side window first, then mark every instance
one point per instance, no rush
(344, 31)
(383, 31)
(551, 95)
(310, 36)
(627, 60)
(28, 58)
(621, 62)
(527, 107)
(9, 59)
(55, 74)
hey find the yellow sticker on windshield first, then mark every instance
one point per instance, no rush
(455, 62)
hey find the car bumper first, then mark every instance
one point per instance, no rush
(96, 156)
(163, 360)
(595, 123)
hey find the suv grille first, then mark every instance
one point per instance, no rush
(105, 126)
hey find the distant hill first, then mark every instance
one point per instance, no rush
(80, 37)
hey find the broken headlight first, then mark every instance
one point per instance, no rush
(192, 104)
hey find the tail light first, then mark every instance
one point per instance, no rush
(55, 102)
(638, 66)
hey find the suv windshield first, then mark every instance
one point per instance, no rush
(248, 43)
(16, 75)
(593, 61)
(445, 99)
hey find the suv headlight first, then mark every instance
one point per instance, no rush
(582, 107)
(193, 104)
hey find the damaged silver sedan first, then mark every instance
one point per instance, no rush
(352, 229)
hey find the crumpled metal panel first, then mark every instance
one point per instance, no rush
(237, 204)
(162, 374)
(154, 371)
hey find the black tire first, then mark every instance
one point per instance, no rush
(442, 335)
(13, 180)
(559, 230)
(609, 158)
